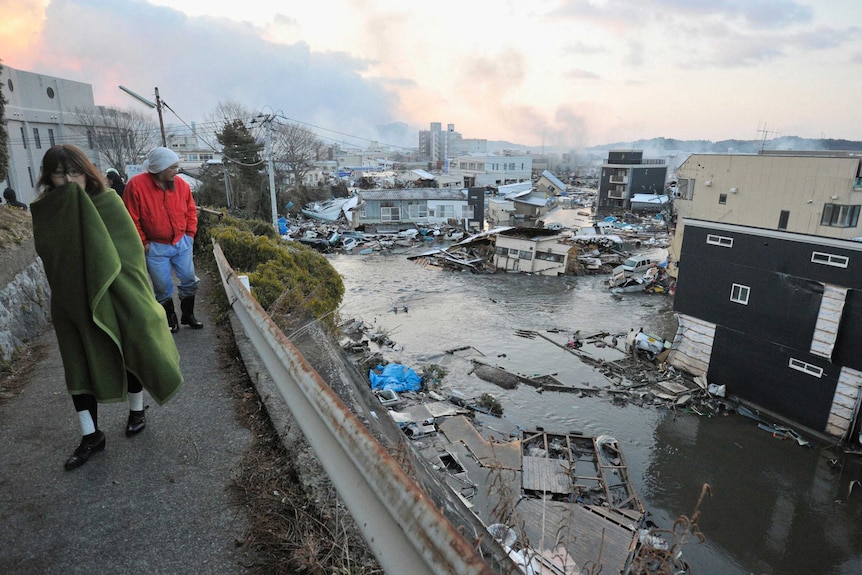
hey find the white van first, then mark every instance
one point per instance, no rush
(634, 266)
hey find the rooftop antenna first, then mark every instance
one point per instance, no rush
(764, 135)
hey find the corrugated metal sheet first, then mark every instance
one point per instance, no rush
(828, 320)
(845, 405)
(692, 345)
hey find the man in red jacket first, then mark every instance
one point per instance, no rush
(164, 211)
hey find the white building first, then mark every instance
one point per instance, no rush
(491, 169)
(40, 114)
(533, 252)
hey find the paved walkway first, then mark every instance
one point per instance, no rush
(154, 503)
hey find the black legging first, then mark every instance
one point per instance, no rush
(85, 401)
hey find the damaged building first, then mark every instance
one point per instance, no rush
(769, 283)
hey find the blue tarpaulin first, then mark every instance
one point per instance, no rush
(395, 377)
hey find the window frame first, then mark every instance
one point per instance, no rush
(721, 241)
(840, 215)
(805, 367)
(834, 260)
(740, 294)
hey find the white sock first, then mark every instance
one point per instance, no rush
(86, 421)
(136, 401)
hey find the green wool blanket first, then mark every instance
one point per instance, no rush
(106, 318)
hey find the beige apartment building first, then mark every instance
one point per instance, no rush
(814, 193)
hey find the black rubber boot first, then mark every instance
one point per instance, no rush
(171, 314)
(187, 305)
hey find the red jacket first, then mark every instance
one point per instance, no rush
(161, 216)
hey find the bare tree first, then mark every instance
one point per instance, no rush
(298, 147)
(227, 112)
(121, 136)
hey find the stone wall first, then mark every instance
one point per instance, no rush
(24, 298)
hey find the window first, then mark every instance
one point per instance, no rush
(722, 198)
(467, 212)
(685, 189)
(783, 219)
(739, 294)
(722, 241)
(36, 139)
(830, 259)
(513, 251)
(840, 216)
(805, 367)
(446, 211)
(500, 251)
(549, 257)
(525, 255)
(51, 136)
(24, 137)
(390, 212)
(417, 210)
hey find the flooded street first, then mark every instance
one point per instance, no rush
(776, 507)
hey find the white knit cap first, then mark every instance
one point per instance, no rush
(160, 159)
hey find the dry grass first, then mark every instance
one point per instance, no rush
(14, 375)
(291, 530)
(15, 226)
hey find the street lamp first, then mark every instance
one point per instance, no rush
(157, 105)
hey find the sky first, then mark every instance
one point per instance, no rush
(569, 73)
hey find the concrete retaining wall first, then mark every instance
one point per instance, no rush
(24, 299)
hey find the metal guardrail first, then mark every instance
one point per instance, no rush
(403, 528)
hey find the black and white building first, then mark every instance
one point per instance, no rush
(767, 255)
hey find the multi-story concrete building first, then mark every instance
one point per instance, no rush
(626, 173)
(40, 112)
(438, 145)
(769, 283)
(491, 169)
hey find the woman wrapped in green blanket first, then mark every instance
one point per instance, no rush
(111, 331)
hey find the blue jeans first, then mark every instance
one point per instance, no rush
(161, 258)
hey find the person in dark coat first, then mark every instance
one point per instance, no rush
(115, 181)
(12, 199)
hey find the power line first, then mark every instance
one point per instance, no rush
(211, 147)
(343, 134)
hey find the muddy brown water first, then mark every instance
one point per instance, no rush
(775, 508)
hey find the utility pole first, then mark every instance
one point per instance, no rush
(161, 120)
(268, 119)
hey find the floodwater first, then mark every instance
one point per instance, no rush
(775, 507)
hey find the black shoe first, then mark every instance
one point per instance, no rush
(187, 305)
(137, 422)
(90, 444)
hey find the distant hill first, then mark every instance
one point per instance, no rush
(401, 134)
(737, 146)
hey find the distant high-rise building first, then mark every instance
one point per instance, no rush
(437, 145)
